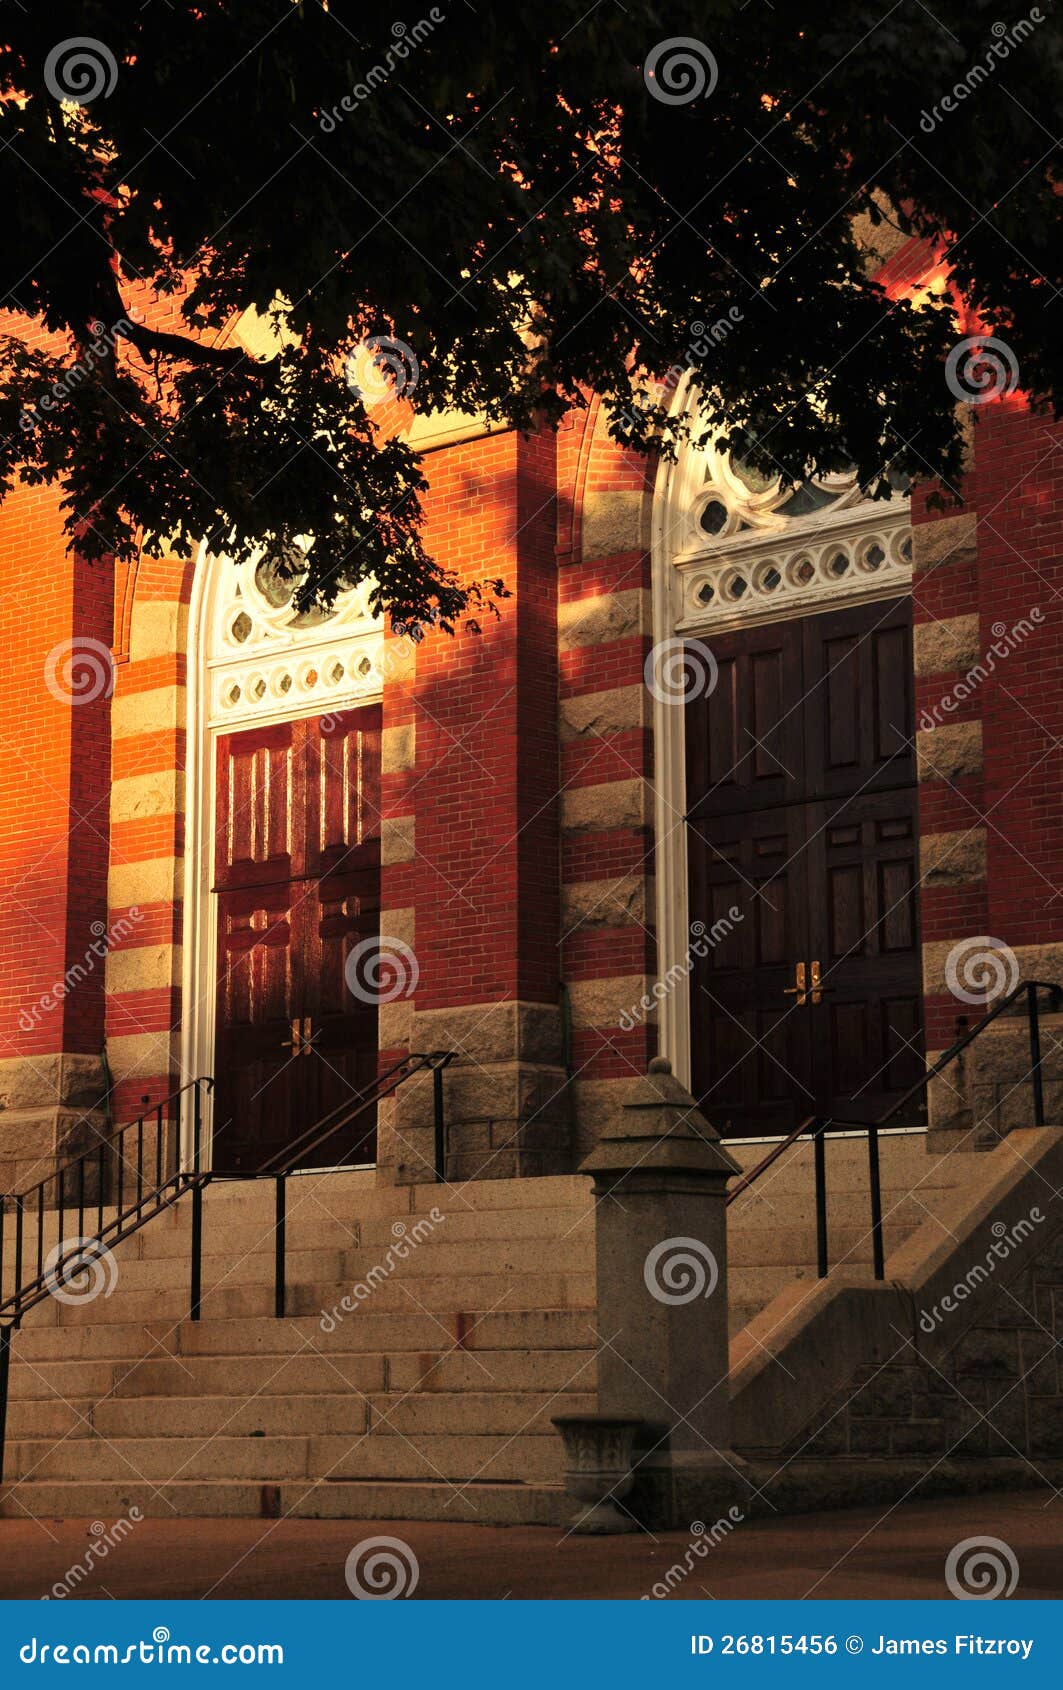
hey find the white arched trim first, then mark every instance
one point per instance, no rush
(272, 667)
(727, 552)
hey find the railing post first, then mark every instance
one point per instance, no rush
(439, 1124)
(5, 1375)
(19, 1227)
(875, 1186)
(279, 1249)
(820, 1158)
(1033, 1014)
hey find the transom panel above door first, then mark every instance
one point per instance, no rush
(802, 819)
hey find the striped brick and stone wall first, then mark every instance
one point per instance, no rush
(989, 709)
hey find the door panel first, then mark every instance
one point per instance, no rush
(744, 739)
(298, 887)
(828, 876)
(750, 1052)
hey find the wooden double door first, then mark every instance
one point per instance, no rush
(803, 865)
(297, 865)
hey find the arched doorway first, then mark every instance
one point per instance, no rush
(282, 856)
(787, 839)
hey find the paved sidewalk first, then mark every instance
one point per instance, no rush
(872, 1552)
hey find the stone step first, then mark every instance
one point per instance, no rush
(376, 1266)
(438, 1294)
(367, 1332)
(341, 1413)
(522, 1457)
(482, 1503)
(314, 1228)
(245, 1376)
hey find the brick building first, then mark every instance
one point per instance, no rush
(763, 782)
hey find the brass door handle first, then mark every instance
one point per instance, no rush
(817, 989)
(799, 988)
(302, 1039)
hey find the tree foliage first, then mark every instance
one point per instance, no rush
(505, 193)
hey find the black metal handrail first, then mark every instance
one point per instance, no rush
(117, 1173)
(123, 1163)
(817, 1127)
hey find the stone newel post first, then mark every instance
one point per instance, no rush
(660, 1175)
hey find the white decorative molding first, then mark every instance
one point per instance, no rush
(730, 549)
(862, 552)
(264, 659)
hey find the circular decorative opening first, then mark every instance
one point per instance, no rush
(839, 564)
(310, 677)
(231, 695)
(334, 673)
(802, 571)
(714, 517)
(906, 549)
(874, 558)
(364, 667)
(284, 683)
(705, 593)
(770, 579)
(241, 627)
(257, 687)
